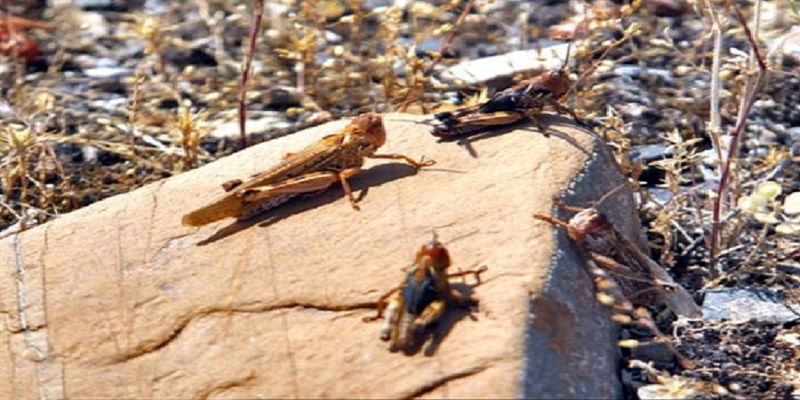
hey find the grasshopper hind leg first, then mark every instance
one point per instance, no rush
(431, 314)
(390, 320)
(403, 331)
(445, 131)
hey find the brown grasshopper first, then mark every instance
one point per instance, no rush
(636, 272)
(12, 41)
(422, 298)
(335, 158)
(521, 101)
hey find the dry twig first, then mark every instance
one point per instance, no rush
(715, 124)
(258, 15)
(752, 89)
(447, 43)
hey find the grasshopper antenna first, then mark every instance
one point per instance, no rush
(462, 236)
(566, 58)
(375, 107)
(609, 194)
(573, 88)
(435, 236)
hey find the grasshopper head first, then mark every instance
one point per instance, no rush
(556, 81)
(368, 127)
(433, 254)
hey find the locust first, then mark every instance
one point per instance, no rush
(12, 41)
(335, 158)
(522, 101)
(602, 244)
(422, 298)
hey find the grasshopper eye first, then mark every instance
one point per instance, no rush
(365, 147)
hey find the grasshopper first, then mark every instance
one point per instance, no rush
(12, 41)
(335, 158)
(602, 244)
(521, 101)
(422, 298)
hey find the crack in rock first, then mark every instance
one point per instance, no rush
(49, 374)
(443, 380)
(22, 301)
(24, 330)
(156, 344)
(154, 196)
(214, 389)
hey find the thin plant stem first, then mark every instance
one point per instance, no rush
(258, 15)
(714, 124)
(752, 90)
(449, 41)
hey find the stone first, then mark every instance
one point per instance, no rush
(85, 61)
(92, 24)
(666, 8)
(794, 134)
(660, 354)
(257, 122)
(789, 268)
(119, 300)
(107, 72)
(748, 304)
(499, 70)
(636, 71)
(645, 154)
(109, 5)
(282, 97)
(661, 196)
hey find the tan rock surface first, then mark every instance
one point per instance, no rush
(118, 300)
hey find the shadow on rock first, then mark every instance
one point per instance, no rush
(437, 332)
(372, 177)
(542, 127)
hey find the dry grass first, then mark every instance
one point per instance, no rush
(122, 99)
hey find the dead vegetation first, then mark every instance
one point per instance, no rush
(700, 103)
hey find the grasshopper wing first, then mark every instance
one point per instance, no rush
(248, 201)
(227, 206)
(235, 204)
(476, 122)
(677, 298)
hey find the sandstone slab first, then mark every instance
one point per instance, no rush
(119, 300)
